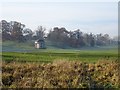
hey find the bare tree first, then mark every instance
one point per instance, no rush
(40, 32)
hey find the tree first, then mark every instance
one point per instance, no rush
(76, 38)
(16, 30)
(72, 39)
(106, 39)
(86, 39)
(92, 40)
(27, 33)
(40, 32)
(99, 41)
(102, 40)
(59, 36)
(5, 30)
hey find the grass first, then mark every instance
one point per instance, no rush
(65, 70)
(51, 55)
(14, 51)
(61, 74)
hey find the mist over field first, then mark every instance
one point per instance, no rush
(59, 45)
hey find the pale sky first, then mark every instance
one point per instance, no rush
(96, 16)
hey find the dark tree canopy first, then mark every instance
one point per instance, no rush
(61, 37)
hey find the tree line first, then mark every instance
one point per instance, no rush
(16, 31)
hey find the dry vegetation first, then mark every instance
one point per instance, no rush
(61, 74)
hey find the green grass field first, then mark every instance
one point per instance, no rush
(13, 51)
(59, 68)
(51, 55)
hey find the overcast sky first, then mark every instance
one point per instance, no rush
(89, 16)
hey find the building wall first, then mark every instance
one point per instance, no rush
(38, 45)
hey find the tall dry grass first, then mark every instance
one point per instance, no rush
(61, 74)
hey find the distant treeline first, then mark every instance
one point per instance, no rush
(16, 31)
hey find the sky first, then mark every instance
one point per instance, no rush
(93, 16)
